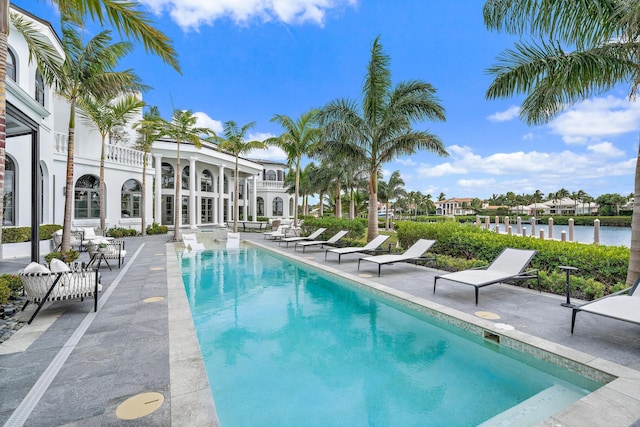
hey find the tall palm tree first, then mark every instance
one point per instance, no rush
(380, 128)
(182, 128)
(150, 129)
(87, 71)
(235, 144)
(104, 114)
(126, 17)
(389, 190)
(298, 140)
(603, 38)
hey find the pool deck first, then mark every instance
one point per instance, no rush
(74, 367)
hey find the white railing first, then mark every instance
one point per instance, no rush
(113, 153)
(270, 184)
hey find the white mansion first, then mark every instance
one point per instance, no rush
(36, 151)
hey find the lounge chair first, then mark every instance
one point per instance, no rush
(42, 284)
(415, 252)
(509, 265)
(191, 242)
(277, 232)
(113, 249)
(311, 236)
(622, 305)
(331, 241)
(371, 246)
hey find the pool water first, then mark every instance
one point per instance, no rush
(285, 344)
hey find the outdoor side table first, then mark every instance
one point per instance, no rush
(567, 270)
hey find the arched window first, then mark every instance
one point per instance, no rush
(167, 176)
(131, 199)
(277, 207)
(9, 207)
(271, 175)
(280, 176)
(185, 177)
(11, 65)
(39, 88)
(206, 181)
(260, 206)
(87, 197)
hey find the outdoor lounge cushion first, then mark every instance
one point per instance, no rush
(58, 266)
(372, 245)
(414, 252)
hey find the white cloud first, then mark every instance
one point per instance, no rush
(406, 162)
(596, 118)
(505, 116)
(606, 149)
(191, 14)
(476, 183)
(203, 120)
(259, 136)
(527, 136)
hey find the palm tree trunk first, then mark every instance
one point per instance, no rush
(143, 209)
(352, 206)
(235, 200)
(102, 201)
(372, 224)
(297, 189)
(386, 217)
(634, 259)
(339, 201)
(321, 207)
(177, 203)
(68, 201)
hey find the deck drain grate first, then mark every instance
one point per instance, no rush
(139, 405)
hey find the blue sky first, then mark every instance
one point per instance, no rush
(246, 60)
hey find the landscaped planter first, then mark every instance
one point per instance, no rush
(23, 249)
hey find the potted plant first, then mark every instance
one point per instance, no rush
(66, 256)
(102, 247)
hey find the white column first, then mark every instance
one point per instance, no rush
(245, 211)
(158, 190)
(192, 192)
(221, 195)
(255, 198)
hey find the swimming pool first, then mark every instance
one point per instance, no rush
(285, 344)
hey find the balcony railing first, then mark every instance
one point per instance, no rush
(113, 153)
(274, 185)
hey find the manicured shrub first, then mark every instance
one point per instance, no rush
(13, 282)
(355, 227)
(156, 228)
(65, 256)
(5, 293)
(119, 232)
(23, 234)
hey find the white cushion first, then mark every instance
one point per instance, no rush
(58, 232)
(99, 240)
(58, 266)
(35, 267)
(89, 232)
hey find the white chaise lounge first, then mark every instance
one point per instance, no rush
(331, 241)
(414, 252)
(191, 242)
(508, 265)
(623, 305)
(311, 236)
(371, 246)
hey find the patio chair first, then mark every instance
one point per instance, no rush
(331, 241)
(233, 240)
(622, 305)
(371, 246)
(89, 234)
(508, 265)
(415, 252)
(191, 242)
(76, 240)
(275, 233)
(113, 249)
(311, 236)
(42, 284)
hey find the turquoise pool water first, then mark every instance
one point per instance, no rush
(287, 345)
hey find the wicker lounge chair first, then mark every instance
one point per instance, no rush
(60, 283)
(371, 246)
(311, 236)
(331, 241)
(415, 252)
(509, 265)
(623, 305)
(113, 249)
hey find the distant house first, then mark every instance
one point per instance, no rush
(564, 207)
(450, 207)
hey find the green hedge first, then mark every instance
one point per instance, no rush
(355, 227)
(23, 234)
(606, 265)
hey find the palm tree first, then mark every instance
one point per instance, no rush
(105, 115)
(299, 138)
(87, 71)
(124, 16)
(234, 143)
(182, 128)
(150, 129)
(389, 190)
(380, 128)
(603, 34)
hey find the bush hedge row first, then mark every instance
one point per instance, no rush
(601, 269)
(23, 234)
(356, 227)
